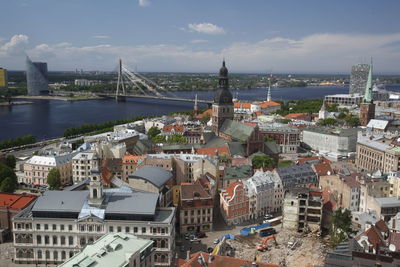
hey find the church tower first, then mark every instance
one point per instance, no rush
(96, 195)
(367, 107)
(222, 107)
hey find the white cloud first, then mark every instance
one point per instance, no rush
(144, 3)
(101, 36)
(206, 28)
(315, 53)
(198, 41)
(15, 46)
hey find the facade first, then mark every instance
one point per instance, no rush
(36, 77)
(344, 99)
(358, 78)
(3, 79)
(115, 250)
(196, 209)
(371, 188)
(345, 190)
(302, 210)
(37, 168)
(335, 143)
(82, 163)
(59, 223)
(386, 207)
(265, 192)
(129, 164)
(286, 137)
(222, 107)
(10, 205)
(234, 204)
(394, 181)
(377, 151)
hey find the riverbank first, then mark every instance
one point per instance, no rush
(60, 98)
(15, 103)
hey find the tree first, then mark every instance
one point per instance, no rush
(327, 122)
(341, 226)
(54, 179)
(11, 161)
(158, 139)
(8, 179)
(8, 185)
(262, 161)
(342, 115)
(152, 132)
(352, 121)
(176, 138)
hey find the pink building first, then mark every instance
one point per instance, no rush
(234, 204)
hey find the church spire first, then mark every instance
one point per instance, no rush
(368, 89)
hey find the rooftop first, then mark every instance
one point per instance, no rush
(110, 250)
(15, 201)
(238, 172)
(153, 174)
(190, 191)
(238, 131)
(388, 202)
(329, 131)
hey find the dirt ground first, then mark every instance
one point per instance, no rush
(292, 249)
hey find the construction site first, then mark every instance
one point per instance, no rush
(285, 247)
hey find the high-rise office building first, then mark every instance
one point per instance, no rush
(3, 79)
(36, 77)
(358, 78)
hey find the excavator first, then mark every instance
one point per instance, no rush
(263, 246)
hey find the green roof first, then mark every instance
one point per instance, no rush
(271, 148)
(238, 131)
(236, 148)
(244, 171)
(110, 250)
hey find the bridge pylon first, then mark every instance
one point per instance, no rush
(120, 97)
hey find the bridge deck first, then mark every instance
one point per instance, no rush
(158, 97)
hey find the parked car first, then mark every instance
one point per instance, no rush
(201, 235)
(195, 240)
(187, 236)
(216, 241)
(268, 216)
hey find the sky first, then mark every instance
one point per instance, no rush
(262, 36)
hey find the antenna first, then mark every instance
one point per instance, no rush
(120, 81)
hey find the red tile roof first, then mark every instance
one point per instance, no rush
(267, 104)
(382, 226)
(15, 201)
(210, 151)
(243, 105)
(323, 169)
(252, 124)
(299, 116)
(220, 261)
(241, 161)
(131, 159)
(175, 128)
(230, 190)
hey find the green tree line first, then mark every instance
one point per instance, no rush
(19, 141)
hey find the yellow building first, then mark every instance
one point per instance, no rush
(3, 78)
(394, 181)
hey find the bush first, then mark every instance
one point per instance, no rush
(8, 179)
(54, 179)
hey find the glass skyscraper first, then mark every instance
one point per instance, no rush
(36, 77)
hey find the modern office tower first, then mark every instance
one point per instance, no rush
(36, 77)
(358, 78)
(3, 79)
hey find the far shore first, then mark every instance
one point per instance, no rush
(61, 98)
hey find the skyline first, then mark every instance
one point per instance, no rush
(186, 36)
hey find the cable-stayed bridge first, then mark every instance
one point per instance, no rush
(132, 80)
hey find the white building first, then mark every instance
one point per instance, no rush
(332, 143)
(82, 163)
(60, 223)
(265, 192)
(115, 250)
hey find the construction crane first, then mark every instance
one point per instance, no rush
(264, 244)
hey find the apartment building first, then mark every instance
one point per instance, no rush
(286, 137)
(82, 163)
(234, 204)
(196, 209)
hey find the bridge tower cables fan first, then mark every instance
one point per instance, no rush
(120, 96)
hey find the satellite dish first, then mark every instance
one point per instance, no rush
(392, 247)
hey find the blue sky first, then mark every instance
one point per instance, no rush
(193, 36)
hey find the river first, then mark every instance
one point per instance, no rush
(48, 118)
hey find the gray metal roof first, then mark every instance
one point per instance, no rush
(131, 203)
(61, 201)
(153, 174)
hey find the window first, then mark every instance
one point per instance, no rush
(63, 255)
(69, 227)
(47, 254)
(39, 254)
(119, 229)
(46, 227)
(82, 228)
(71, 254)
(143, 230)
(54, 227)
(62, 240)
(38, 226)
(39, 239)
(127, 229)
(70, 240)
(46, 239)
(135, 229)
(54, 240)
(62, 227)
(98, 228)
(90, 228)
(111, 229)
(55, 255)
